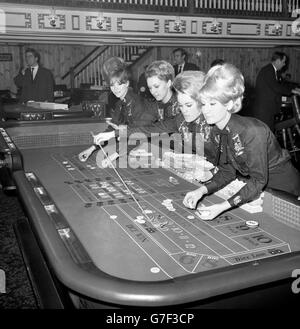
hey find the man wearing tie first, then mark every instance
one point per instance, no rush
(36, 82)
(180, 57)
(269, 90)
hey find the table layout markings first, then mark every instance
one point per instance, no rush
(139, 245)
(222, 233)
(166, 251)
(241, 220)
(153, 241)
(138, 180)
(148, 234)
(143, 183)
(235, 218)
(229, 258)
(260, 249)
(84, 201)
(191, 235)
(60, 162)
(166, 236)
(87, 169)
(201, 229)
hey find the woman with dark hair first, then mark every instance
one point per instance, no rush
(162, 114)
(129, 110)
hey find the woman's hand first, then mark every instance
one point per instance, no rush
(191, 199)
(84, 155)
(211, 212)
(103, 137)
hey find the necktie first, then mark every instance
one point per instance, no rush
(179, 68)
(222, 147)
(32, 73)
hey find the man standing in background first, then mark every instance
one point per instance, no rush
(269, 90)
(36, 82)
(181, 64)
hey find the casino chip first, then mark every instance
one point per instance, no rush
(159, 221)
(252, 223)
(140, 219)
(173, 180)
(155, 269)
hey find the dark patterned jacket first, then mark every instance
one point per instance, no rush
(198, 133)
(194, 137)
(133, 111)
(246, 145)
(165, 115)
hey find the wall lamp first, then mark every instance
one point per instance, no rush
(53, 18)
(178, 24)
(276, 28)
(214, 25)
(101, 21)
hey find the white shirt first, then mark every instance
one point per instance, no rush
(34, 72)
(275, 71)
(180, 68)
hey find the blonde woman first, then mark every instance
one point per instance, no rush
(245, 145)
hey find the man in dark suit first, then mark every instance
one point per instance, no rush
(36, 82)
(269, 90)
(181, 64)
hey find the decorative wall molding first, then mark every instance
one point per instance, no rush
(243, 28)
(17, 20)
(137, 25)
(44, 23)
(91, 24)
(80, 27)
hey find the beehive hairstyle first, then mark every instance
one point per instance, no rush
(115, 67)
(224, 83)
(189, 83)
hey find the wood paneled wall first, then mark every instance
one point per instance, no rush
(248, 60)
(59, 59)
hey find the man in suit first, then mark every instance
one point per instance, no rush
(36, 82)
(181, 64)
(269, 90)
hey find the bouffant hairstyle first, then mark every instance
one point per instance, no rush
(115, 68)
(224, 83)
(162, 69)
(190, 83)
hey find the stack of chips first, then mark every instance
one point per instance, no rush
(168, 204)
